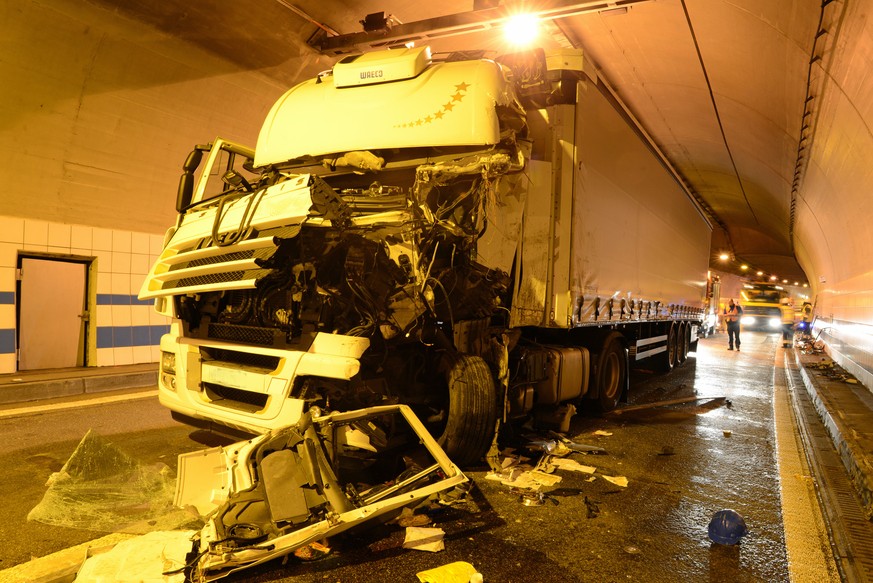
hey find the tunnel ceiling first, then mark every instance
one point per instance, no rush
(723, 86)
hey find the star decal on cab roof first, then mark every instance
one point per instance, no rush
(432, 116)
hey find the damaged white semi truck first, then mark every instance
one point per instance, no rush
(482, 240)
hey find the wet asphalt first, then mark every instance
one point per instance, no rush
(681, 466)
(683, 463)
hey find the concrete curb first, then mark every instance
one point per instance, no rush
(27, 391)
(836, 412)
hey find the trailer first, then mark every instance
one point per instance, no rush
(483, 240)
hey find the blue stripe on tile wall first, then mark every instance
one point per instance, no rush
(122, 300)
(7, 341)
(120, 336)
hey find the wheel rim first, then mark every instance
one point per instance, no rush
(671, 345)
(611, 379)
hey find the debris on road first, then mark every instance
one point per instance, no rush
(620, 481)
(422, 538)
(102, 489)
(666, 403)
(727, 527)
(457, 572)
(156, 556)
(286, 489)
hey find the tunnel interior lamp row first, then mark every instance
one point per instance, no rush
(744, 267)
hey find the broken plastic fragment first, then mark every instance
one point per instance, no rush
(457, 572)
(424, 539)
(617, 480)
(602, 432)
(156, 556)
(572, 465)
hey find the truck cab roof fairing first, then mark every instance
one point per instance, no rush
(448, 104)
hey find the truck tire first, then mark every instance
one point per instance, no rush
(611, 377)
(667, 359)
(472, 415)
(683, 337)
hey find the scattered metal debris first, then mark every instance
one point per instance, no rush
(578, 446)
(302, 484)
(593, 507)
(678, 401)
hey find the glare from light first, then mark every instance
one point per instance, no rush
(521, 29)
(806, 285)
(773, 278)
(796, 283)
(724, 256)
(760, 273)
(784, 281)
(744, 267)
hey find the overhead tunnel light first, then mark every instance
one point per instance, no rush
(521, 29)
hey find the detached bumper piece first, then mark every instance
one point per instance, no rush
(269, 496)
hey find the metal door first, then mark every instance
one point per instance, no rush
(52, 313)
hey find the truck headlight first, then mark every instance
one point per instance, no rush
(168, 362)
(747, 320)
(775, 323)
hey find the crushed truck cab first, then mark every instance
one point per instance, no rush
(481, 240)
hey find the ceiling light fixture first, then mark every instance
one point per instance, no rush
(521, 29)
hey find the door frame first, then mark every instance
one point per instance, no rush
(89, 354)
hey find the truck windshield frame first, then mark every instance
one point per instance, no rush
(224, 156)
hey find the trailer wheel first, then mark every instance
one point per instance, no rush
(683, 337)
(472, 415)
(692, 346)
(667, 359)
(611, 377)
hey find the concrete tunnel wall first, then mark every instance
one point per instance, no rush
(97, 113)
(833, 238)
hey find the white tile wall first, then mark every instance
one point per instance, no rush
(7, 362)
(59, 236)
(123, 258)
(105, 357)
(35, 232)
(81, 237)
(11, 230)
(102, 240)
(7, 316)
(123, 355)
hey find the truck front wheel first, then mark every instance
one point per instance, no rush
(472, 396)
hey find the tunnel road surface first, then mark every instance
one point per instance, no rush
(682, 462)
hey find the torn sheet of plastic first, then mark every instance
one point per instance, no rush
(284, 490)
(100, 488)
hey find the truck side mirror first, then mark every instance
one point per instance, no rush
(186, 181)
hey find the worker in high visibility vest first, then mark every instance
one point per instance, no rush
(732, 313)
(787, 322)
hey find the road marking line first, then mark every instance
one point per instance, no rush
(807, 543)
(76, 404)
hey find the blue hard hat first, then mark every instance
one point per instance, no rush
(727, 527)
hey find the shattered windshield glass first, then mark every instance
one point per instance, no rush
(100, 488)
